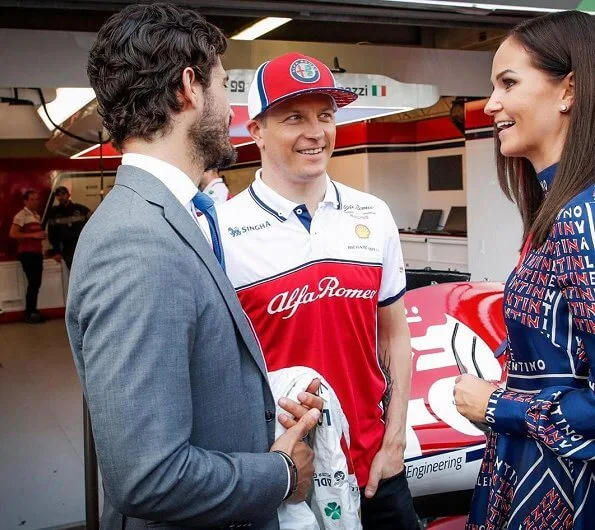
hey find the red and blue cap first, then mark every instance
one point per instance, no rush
(292, 75)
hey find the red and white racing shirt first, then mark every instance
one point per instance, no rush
(311, 287)
(29, 222)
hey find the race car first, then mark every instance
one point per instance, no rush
(455, 328)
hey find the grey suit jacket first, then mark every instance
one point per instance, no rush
(182, 413)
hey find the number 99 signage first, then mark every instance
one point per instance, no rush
(238, 86)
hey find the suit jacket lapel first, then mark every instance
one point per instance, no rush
(154, 191)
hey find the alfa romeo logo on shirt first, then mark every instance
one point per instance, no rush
(362, 231)
(304, 71)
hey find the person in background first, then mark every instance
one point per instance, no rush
(177, 388)
(214, 186)
(65, 222)
(27, 230)
(538, 469)
(319, 271)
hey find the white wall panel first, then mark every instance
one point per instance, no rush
(494, 224)
(442, 200)
(393, 178)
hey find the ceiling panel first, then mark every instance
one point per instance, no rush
(350, 21)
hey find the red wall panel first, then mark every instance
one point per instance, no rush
(19, 175)
(475, 117)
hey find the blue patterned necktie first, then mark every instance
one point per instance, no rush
(204, 204)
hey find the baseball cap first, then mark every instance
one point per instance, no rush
(292, 75)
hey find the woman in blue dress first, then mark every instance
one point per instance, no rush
(538, 470)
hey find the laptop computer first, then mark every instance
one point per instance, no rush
(429, 220)
(456, 223)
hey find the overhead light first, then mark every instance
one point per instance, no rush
(67, 102)
(473, 5)
(258, 29)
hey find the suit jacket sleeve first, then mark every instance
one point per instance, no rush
(131, 317)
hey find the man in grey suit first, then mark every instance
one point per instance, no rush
(182, 413)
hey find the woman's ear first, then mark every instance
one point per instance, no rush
(567, 98)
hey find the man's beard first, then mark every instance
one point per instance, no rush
(209, 140)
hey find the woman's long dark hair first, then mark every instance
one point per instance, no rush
(558, 44)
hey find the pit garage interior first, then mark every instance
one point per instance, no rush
(395, 155)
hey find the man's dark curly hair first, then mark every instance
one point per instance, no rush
(136, 63)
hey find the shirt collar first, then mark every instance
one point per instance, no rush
(546, 176)
(279, 206)
(176, 181)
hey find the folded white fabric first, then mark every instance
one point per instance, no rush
(335, 499)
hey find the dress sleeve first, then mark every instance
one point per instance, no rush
(563, 417)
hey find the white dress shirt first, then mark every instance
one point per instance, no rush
(173, 178)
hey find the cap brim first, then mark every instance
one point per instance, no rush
(341, 96)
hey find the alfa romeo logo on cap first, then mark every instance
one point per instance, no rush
(304, 71)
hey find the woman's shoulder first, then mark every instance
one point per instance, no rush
(581, 205)
(575, 223)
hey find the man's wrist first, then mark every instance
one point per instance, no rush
(394, 441)
(292, 474)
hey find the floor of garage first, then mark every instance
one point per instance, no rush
(41, 429)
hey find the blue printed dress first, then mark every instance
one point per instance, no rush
(538, 470)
